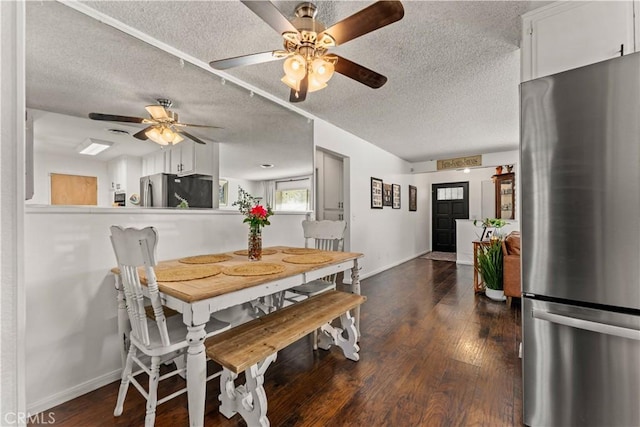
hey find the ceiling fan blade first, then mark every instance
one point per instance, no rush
(359, 73)
(195, 126)
(114, 118)
(271, 15)
(142, 135)
(371, 18)
(157, 112)
(188, 135)
(300, 95)
(254, 58)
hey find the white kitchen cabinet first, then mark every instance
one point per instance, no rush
(124, 174)
(117, 172)
(567, 35)
(189, 158)
(156, 162)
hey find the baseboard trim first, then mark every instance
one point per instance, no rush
(389, 266)
(464, 262)
(73, 392)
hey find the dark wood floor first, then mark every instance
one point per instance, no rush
(432, 354)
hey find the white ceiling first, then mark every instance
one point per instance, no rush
(453, 70)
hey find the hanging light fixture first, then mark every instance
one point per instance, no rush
(163, 135)
(295, 68)
(318, 71)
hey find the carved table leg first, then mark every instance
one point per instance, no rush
(196, 374)
(333, 336)
(355, 289)
(249, 399)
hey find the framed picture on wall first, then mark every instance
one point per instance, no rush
(376, 193)
(395, 192)
(413, 198)
(223, 192)
(386, 195)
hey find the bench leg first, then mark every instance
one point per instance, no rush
(333, 336)
(249, 399)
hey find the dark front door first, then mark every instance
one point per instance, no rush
(450, 202)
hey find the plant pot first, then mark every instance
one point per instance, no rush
(495, 294)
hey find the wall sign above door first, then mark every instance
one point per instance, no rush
(460, 162)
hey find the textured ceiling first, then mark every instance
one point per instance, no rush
(453, 69)
(76, 65)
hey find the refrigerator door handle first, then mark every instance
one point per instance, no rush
(587, 325)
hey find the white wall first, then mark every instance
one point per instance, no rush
(45, 163)
(255, 188)
(387, 237)
(12, 107)
(71, 335)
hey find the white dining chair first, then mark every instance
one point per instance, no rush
(161, 339)
(327, 236)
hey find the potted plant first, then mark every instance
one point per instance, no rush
(491, 223)
(257, 216)
(490, 268)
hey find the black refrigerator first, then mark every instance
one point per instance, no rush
(167, 190)
(580, 177)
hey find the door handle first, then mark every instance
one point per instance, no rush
(587, 325)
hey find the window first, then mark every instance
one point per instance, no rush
(453, 193)
(293, 195)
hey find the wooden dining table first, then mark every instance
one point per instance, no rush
(198, 299)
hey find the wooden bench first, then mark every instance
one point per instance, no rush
(251, 347)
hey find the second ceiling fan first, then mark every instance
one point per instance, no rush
(163, 125)
(308, 65)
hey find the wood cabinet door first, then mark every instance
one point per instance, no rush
(505, 196)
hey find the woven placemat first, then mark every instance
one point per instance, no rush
(308, 259)
(300, 251)
(178, 274)
(205, 259)
(245, 252)
(254, 269)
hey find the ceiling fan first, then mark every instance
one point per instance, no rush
(308, 66)
(164, 127)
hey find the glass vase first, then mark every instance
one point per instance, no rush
(255, 243)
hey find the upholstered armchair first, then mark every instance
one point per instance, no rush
(511, 266)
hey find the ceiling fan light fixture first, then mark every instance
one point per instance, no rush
(315, 84)
(163, 136)
(295, 67)
(293, 84)
(322, 70)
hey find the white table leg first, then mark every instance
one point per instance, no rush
(196, 374)
(355, 289)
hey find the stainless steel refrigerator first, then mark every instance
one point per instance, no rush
(167, 190)
(580, 166)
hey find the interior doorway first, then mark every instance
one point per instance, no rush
(450, 201)
(330, 186)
